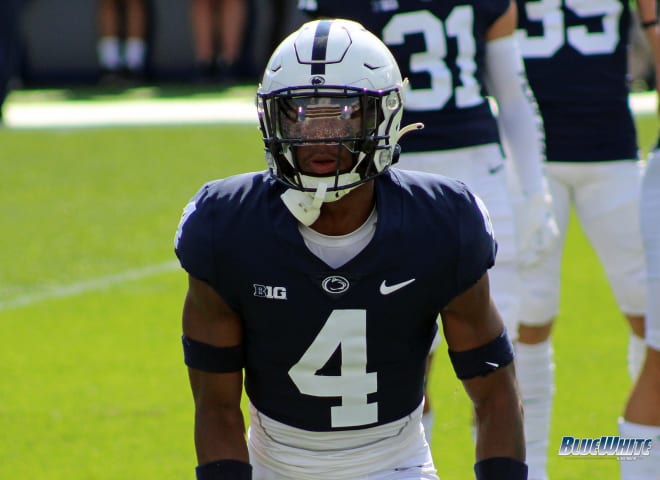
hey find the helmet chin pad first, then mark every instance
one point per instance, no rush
(306, 206)
(349, 180)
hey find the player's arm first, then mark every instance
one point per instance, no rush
(523, 136)
(482, 356)
(518, 117)
(212, 342)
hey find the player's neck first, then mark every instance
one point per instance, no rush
(347, 214)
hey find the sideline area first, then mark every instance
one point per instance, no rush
(117, 105)
(167, 111)
(74, 114)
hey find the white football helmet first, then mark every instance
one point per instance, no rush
(331, 82)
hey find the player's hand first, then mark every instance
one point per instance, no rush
(538, 233)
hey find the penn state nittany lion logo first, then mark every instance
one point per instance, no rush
(335, 284)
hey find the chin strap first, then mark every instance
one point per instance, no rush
(306, 206)
(303, 206)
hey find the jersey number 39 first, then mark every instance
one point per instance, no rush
(556, 33)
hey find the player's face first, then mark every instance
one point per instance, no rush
(323, 159)
(326, 130)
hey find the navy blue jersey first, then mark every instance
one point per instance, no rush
(343, 348)
(576, 61)
(440, 48)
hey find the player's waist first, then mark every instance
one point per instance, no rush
(564, 145)
(284, 448)
(337, 440)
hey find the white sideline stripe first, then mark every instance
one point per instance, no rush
(61, 291)
(74, 114)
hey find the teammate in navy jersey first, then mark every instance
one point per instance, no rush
(322, 279)
(452, 52)
(576, 60)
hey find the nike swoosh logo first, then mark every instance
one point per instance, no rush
(387, 289)
(495, 169)
(492, 364)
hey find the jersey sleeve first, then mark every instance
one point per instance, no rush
(193, 242)
(477, 243)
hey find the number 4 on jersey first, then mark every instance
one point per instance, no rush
(347, 330)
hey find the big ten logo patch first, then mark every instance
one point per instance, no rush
(266, 291)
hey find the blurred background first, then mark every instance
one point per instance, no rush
(129, 42)
(110, 42)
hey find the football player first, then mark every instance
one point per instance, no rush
(322, 278)
(641, 417)
(576, 60)
(453, 52)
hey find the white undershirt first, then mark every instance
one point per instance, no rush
(338, 250)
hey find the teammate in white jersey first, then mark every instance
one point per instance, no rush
(642, 413)
(576, 57)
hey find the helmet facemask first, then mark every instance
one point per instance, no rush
(351, 122)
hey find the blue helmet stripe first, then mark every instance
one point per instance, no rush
(320, 47)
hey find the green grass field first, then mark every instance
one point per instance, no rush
(93, 383)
